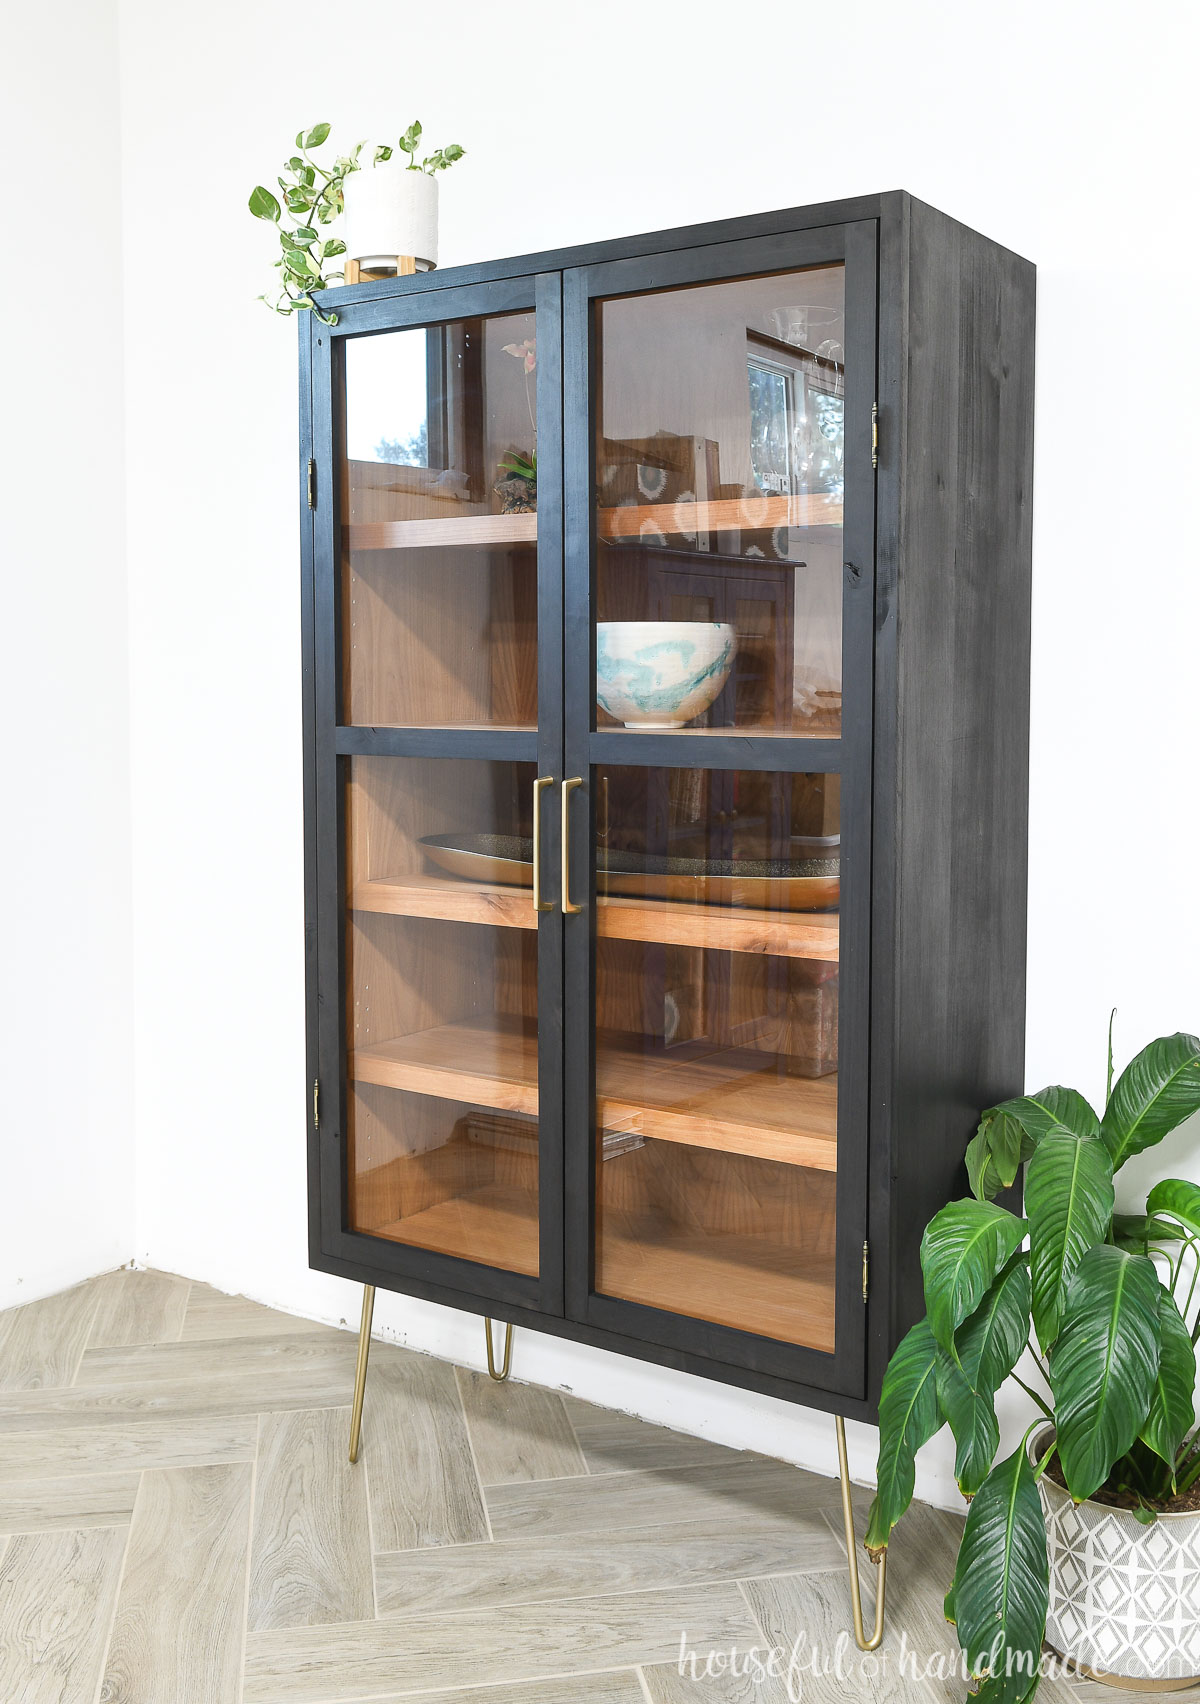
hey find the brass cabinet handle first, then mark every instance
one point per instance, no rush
(568, 788)
(539, 904)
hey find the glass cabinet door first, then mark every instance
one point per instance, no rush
(440, 628)
(718, 715)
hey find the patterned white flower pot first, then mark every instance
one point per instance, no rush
(1124, 1598)
(391, 211)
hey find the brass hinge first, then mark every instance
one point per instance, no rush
(316, 1103)
(312, 484)
(874, 435)
(866, 1268)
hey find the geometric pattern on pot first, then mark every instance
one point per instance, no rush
(1124, 1598)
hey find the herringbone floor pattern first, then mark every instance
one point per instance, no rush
(179, 1525)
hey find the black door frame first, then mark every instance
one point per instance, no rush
(856, 244)
(332, 1242)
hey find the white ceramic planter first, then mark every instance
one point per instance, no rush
(1124, 1598)
(391, 211)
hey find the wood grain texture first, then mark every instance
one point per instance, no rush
(951, 826)
(621, 1443)
(138, 1307)
(423, 1485)
(42, 1342)
(734, 1100)
(742, 929)
(57, 1592)
(315, 1665)
(211, 1315)
(146, 1367)
(454, 530)
(618, 1686)
(47, 1505)
(628, 1559)
(742, 1489)
(718, 1677)
(311, 1552)
(807, 1614)
(179, 1624)
(73, 1451)
(518, 1431)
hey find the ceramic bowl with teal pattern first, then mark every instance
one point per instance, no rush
(659, 674)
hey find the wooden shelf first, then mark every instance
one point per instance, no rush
(450, 530)
(741, 514)
(723, 928)
(727, 514)
(734, 1101)
(742, 1282)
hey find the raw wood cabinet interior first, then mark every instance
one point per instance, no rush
(666, 650)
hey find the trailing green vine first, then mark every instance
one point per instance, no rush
(314, 196)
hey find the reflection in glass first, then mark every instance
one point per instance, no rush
(716, 1045)
(439, 534)
(720, 483)
(441, 989)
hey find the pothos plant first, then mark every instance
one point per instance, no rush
(1105, 1304)
(314, 195)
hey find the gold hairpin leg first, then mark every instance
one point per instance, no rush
(860, 1638)
(506, 1368)
(360, 1371)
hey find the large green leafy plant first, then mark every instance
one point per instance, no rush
(1101, 1300)
(314, 196)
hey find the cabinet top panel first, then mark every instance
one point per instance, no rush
(888, 205)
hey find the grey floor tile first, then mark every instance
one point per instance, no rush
(41, 1343)
(536, 1569)
(718, 1677)
(178, 1629)
(518, 1431)
(324, 1665)
(617, 1686)
(311, 1550)
(422, 1479)
(137, 1307)
(129, 1446)
(743, 1486)
(57, 1591)
(807, 1619)
(619, 1443)
(44, 1505)
(210, 1314)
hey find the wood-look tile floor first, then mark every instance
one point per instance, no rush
(179, 1524)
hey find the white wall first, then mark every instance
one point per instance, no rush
(1062, 131)
(66, 1145)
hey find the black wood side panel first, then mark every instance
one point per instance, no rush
(953, 717)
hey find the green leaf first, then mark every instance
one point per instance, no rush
(1145, 1514)
(994, 1154)
(411, 137)
(1177, 1196)
(1051, 1109)
(989, 1343)
(382, 153)
(1155, 1092)
(1002, 1581)
(908, 1418)
(263, 204)
(1172, 1414)
(333, 246)
(1136, 1231)
(1069, 1204)
(963, 1248)
(972, 1417)
(948, 1605)
(316, 136)
(452, 152)
(303, 236)
(1104, 1364)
